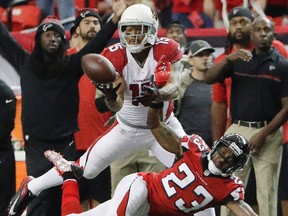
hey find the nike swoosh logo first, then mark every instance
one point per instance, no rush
(11, 212)
(8, 101)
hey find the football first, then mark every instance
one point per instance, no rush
(98, 68)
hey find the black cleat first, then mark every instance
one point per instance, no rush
(21, 199)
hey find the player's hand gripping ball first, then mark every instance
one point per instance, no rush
(98, 68)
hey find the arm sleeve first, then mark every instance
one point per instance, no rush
(70, 198)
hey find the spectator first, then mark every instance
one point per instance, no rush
(163, 8)
(7, 159)
(4, 3)
(277, 9)
(66, 9)
(268, 104)
(49, 84)
(221, 91)
(90, 121)
(190, 14)
(176, 31)
(167, 193)
(195, 95)
(218, 8)
(238, 38)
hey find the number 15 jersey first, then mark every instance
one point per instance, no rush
(137, 75)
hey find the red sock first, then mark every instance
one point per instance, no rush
(70, 197)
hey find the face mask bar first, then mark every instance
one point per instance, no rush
(135, 47)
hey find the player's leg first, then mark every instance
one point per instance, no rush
(116, 144)
(70, 197)
(206, 212)
(36, 166)
(130, 197)
(100, 209)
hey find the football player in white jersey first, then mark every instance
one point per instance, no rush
(139, 56)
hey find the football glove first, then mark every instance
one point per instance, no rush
(150, 93)
(162, 72)
(108, 90)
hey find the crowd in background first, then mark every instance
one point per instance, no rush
(177, 16)
(192, 14)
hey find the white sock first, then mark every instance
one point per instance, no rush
(47, 180)
(206, 212)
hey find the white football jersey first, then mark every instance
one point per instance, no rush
(137, 77)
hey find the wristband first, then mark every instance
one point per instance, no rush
(155, 105)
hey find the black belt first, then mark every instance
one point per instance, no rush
(259, 124)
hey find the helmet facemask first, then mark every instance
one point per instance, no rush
(145, 30)
(238, 145)
(145, 19)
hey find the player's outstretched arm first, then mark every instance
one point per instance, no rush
(164, 135)
(241, 208)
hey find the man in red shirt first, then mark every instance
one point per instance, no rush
(190, 14)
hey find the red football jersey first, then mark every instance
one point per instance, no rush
(188, 186)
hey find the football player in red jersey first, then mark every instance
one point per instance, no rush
(200, 178)
(139, 56)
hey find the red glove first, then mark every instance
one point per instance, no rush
(162, 72)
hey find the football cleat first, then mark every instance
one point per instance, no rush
(62, 165)
(21, 199)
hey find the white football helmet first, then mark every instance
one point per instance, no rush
(138, 15)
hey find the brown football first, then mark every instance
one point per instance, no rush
(98, 68)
